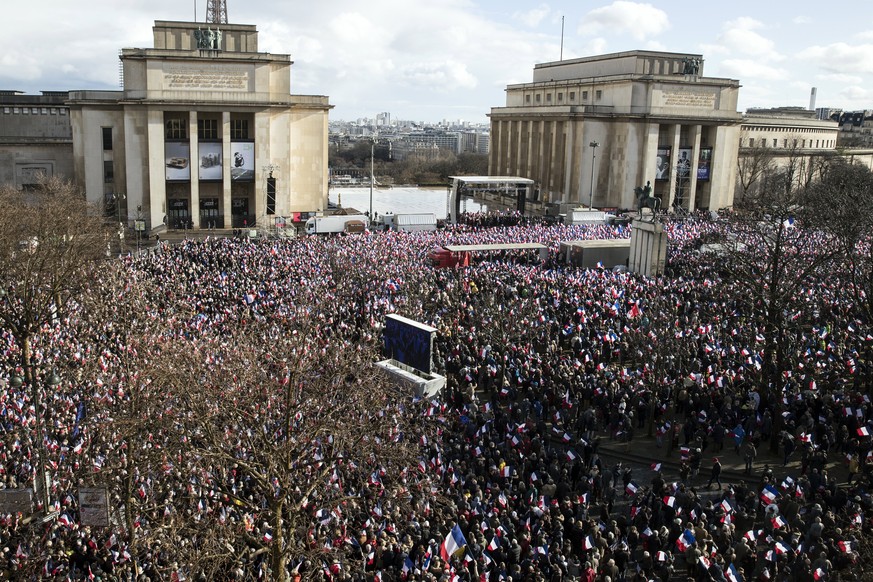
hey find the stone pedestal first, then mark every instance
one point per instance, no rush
(648, 248)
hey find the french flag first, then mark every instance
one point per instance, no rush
(494, 543)
(769, 494)
(657, 467)
(571, 455)
(661, 556)
(588, 543)
(631, 489)
(752, 534)
(506, 471)
(778, 522)
(453, 543)
(732, 574)
(818, 574)
(863, 431)
(670, 501)
(782, 548)
(845, 546)
(685, 541)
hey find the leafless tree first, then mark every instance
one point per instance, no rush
(752, 165)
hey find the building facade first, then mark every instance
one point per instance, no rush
(593, 129)
(205, 133)
(36, 138)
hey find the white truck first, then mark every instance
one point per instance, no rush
(337, 223)
(409, 222)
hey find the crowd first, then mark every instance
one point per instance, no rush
(542, 362)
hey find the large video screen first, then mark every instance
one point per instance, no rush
(210, 161)
(178, 160)
(242, 161)
(409, 342)
(683, 164)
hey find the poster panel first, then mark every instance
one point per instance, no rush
(210, 161)
(93, 506)
(178, 160)
(704, 164)
(242, 161)
(662, 163)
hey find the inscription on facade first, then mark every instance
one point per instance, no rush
(689, 99)
(193, 78)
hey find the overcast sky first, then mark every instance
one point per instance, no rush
(452, 59)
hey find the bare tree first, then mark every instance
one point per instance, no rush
(752, 165)
(51, 245)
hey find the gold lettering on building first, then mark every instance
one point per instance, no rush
(192, 78)
(689, 99)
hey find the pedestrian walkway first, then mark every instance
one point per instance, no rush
(645, 450)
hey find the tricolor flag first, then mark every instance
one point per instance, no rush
(818, 574)
(685, 541)
(787, 483)
(670, 501)
(453, 543)
(845, 546)
(631, 488)
(571, 455)
(732, 574)
(656, 467)
(494, 543)
(752, 534)
(863, 431)
(769, 494)
(661, 556)
(778, 522)
(588, 543)
(782, 548)
(704, 561)
(726, 506)
(506, 471)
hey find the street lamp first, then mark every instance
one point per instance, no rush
(594, 145)
(372, 176)
(40, 482)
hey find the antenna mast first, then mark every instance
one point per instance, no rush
(216, 11)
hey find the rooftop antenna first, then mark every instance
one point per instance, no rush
(216, 11)
(562, 39)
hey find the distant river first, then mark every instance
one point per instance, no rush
(409, 200)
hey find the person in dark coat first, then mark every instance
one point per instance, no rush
(715, 473)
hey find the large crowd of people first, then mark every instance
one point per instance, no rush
(542, 360)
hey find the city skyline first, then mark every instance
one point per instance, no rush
(453, 60)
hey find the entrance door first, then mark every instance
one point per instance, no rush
(209, 217)
(239, 209)
(179, 215)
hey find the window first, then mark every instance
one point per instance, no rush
(774, 142)
(107, 138)
(7, 110)
(16, 110)
(538, 98)
(572, 95)
(548, 97)
(239, 129)
(598, 94)
(207, 129)
(177, 129)
(560, 97)
(53, 111)
(62, 111)
(44, 111)
(584, 95)
(35, 110)
(527, 98)
(108, 172)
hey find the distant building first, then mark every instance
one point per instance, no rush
(856, 128)
(36, 137)
(788, 128)
(653, 116)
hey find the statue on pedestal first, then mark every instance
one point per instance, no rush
(645, 199)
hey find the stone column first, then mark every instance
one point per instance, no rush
(674, 158)
(648, 248)
(695, 156)
(226, 165)
(195, 169)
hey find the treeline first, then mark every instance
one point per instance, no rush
(424, 170)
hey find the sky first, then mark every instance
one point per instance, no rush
(452, 59)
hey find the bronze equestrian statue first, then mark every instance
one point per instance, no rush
(646, 200)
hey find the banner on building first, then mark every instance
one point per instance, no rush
(242, 161)
(178, 160)
(704, 164)
(210, 161)
(662, 163)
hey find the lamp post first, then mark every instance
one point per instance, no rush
(372, 176)
(594, 145)
(40, 482)
(271, 185)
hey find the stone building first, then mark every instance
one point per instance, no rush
(205, 133)
(36, 137)
(594, 128)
